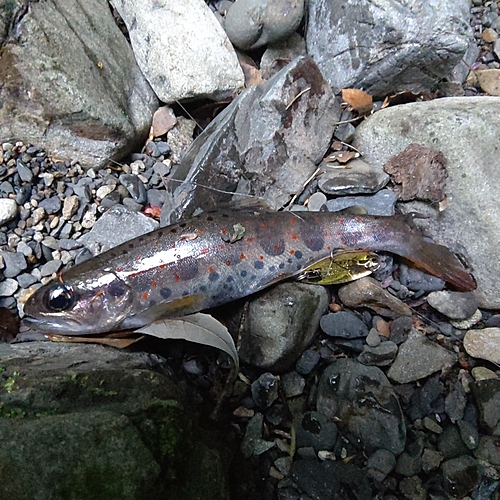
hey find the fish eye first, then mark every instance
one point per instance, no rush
(59, 298)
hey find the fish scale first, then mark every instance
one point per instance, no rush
(215, 258)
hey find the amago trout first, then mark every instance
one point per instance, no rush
(215, 258)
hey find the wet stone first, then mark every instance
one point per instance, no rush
(427, 400)
(373, 338)
(307, 362)
(380, 464)
(293, 384)
(488, 449)
(409, 463)
(362, 398)
(135, 187)
(412, 488)
(343, 324)
(469, 434)
(450, 443)
(381, 355)
(431, 459)
(416, 280)
(25, 280)
(24, 171)
(455, 402)
(461, 475)
(51, 267)
(314, 431)
(487, 396)
(381, 203)
(454, 305)
(431, 425)
(252, 443)
(265, 390)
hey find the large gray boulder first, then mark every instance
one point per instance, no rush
(181, 48)
(385, 47)
(70, 82)
(466, 131)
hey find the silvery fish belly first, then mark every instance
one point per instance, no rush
(215, 258)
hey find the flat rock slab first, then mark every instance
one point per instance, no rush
(181, 48)
(466, 131)
(70, 82)
(385, 47)
(484, 344)
(266, 143)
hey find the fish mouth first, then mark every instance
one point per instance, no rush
(58, 327)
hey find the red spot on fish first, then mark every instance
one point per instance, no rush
(263, 224)
(223, 230)
(249, 240)
(222, 245)
(145, 296)
(292, 252)
(162, 266)
(317, 218)
(133, 275)
(341, 221)
(156, 243)
(328, 247)
(138, 257)
(177, 277)
(205, 250)
(201, 231)
(243, 256)
(228, 262)
(292, 220)
(358, 219)
(211, 270)
(261, 257)
(154, 284)
(119, 270)
(294, 236)
(277, 248)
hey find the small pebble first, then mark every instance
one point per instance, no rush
(8, 210)
(307, 362)
(343, 324)
(51, 267)
(8, 287)
(483, 344)
(265, 390)
(373, 338)
(465, 324)
(454, 305)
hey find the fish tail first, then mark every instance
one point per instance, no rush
(441, 262)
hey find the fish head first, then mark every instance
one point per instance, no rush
(79, 306)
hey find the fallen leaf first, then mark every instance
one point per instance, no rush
(250, 70)
(358, 100)
(164, 120)
(152, 211)
(200, 328)
(341, 156)
(118, 343)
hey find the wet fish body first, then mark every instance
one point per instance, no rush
(215, 258)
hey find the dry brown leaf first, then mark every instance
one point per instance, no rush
(358, 100)
(250, 70)
(341, 156)
(163, 120)
(118, 343)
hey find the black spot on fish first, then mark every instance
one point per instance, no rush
(210, 218)
(214, 276)
(173, 230)
(117, 288)
(225, 215)
(289, 261)
(185, 293)
(160, 234)
(298, 255)
(253, 278)
(141, 240)
(243, 274)
(203, 288)
(165, 292)
(273, 248)
(282, 265)
(114, 254)
(182, 224)
(229, 279)
(272, 268)
(131, 245)
(188, 269)
(299, 267)
(228, 288)
(258, 264)
(152, 303)
(124, 252)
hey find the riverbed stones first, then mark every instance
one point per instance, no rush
(90, 103)
(181, 48)
(484, 344)
(465, 130)
(412, 46)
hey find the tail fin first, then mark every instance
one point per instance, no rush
(441, 262)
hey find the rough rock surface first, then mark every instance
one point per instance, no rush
(80, 420)
(266, 143)
(387, 47)
(181, 48)
(90, 103)
(465, 130)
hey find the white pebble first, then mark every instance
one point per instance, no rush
(8, 287)
(88, 220)
(103, 191)
(8, 210)
(137, 166)
(38, 214)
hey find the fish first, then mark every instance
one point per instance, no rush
(215, 258)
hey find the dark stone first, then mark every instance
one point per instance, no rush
(265, 390)
(343, 324)
(315, 432)
(461, 475)
(450, 443)
(307, 362)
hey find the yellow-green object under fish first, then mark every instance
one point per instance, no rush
(215, 258)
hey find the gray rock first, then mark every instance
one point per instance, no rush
(487, 396)
(358, 178)
(51, 267)
(381, 355)
(409, 463)
(380, 464)
(417, 280)
(488, 451)
(25, 280)
(314, 431)
(386, 50)
(419, 357)
(463, 129)
(363, 399)
(24, 171)
(483, 344)
(250, 24)
(413, 488)
(252, 443)
(86, 418)
(454, 305)
(135, 187)
(469, 434)
(8, 210)
(381, 203)
(293, 384)
(181, 49)
(15, 263)
(51, 205)
(104, 233)
(343, 324)
(265, 390)
(315, 202)
(401, 328)
(280, 53)
(455, 402)
(8, 287)
(280, 324)
(83, 96)
(307, 362)
(373, 338)
(431, 459)
(450, 443)
(461, 475)
(274, 133)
